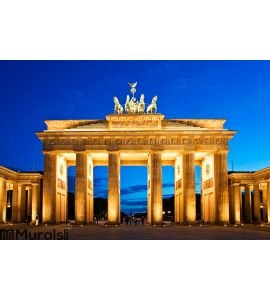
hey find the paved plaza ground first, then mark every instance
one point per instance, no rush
(147, 232)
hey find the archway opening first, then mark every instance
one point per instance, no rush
(133, 195)
(198, 190)
(100, 174)
(243, 205)
(9, 206)
(71, 192)
(168, 193)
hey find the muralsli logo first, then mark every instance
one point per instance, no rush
(25, 234)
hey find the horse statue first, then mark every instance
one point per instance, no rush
(118, 108)
(152, 108)
(127, 105)
(135, 106)
(141, 105)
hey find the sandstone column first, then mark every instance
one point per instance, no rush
(15, 195)
(35, 201)
(236, 203)
(248, 216)
(19, 203)
(155, 172)
(268, 201)
(221, 187)
(189, 194)
(49, 188)
(265, 203)
(90, 192)
(257, 209)
(231, 203)
(178, 202)
(81, 186)
(149, 192)
(3, 200)
(29, 201)
(114, 188)
(22, 202)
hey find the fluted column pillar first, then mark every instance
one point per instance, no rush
(189, 194)
(257, 209)
(49, 188)
(29, 201)
(22, 204)
(81, 187)
(236, 203)
(19, 203)
(265, 203)
(155, 176)
(248, 216)
(221, 187)
(14, 208)
(268, 201)
(35, 201)
(3, 200)
(114, 188)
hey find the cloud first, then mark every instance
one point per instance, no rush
(134, 189)
(165, 185)
(100, 181)
(101, 187)
(141, 188)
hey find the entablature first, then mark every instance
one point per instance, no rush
(19, 177)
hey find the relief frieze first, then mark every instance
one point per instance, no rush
(208, 184)
(137, 141)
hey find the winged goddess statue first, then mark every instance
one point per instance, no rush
(133, 88)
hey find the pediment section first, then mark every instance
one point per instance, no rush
(193, 123)
(75, 124)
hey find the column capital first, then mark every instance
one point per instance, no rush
(221, 151)
(50, 152)
(80, 151)
(113, 151)
(153, 151)
(189, 152)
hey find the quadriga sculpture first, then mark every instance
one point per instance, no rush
(152, 108)
(118, 108)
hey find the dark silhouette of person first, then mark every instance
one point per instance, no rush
(29, 218)
(142, 220)
(37, 220)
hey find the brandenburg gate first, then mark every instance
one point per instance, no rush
(130, 136)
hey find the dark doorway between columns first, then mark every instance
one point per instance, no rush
(71, 173)
(168, 193)
(133, 194)
(9, 205)
(243, 211)
(100, 193)
(198, 189)
(27, 205)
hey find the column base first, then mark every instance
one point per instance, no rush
(158, 224)
(257, 222)
(112, 224)
(237, 223)
(222, 223)
(189, 223)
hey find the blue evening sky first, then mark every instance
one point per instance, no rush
(33, 91)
